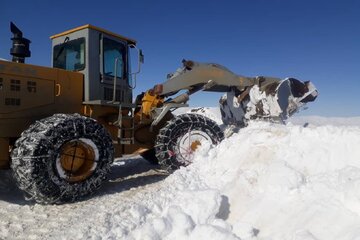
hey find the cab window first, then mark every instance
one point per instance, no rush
(113, 50)
(70, 55)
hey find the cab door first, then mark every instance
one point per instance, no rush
(114, 58)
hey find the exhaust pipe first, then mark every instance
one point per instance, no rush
(20, 46)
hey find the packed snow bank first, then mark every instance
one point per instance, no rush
(266, 182)
(289, 181)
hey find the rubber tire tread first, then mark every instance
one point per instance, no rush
(168, 135)
(35, 153)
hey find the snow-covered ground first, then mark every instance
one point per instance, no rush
(266, 182)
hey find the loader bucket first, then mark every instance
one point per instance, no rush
(293, 94)
(275, 102)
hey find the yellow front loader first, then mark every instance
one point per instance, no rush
(62, 126)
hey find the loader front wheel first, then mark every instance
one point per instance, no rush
(177, 142)
(62, 158)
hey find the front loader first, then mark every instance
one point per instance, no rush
(62, 126)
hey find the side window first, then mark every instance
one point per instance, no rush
(114, 50)
(70, 55)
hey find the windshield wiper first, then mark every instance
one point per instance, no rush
(62, 48)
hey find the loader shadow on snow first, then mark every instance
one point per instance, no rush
(224, 210)
(125, 174)
(9, 192)
(131, 173)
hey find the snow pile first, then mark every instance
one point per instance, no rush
(266, 182)
(290, 181)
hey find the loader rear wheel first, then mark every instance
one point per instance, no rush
(177, 142)
(62, 158)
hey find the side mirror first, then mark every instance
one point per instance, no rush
(141, 56)
(140, 61)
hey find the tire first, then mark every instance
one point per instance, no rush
(62, 158)
(150, 156)
(178, 140)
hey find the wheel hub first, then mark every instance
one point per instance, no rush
(188, 144)
(194, 145)
(77, 160)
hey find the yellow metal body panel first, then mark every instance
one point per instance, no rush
(29, 93)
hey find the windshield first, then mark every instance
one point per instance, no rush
(70, 55)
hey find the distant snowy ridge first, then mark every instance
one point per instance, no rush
(319, 121)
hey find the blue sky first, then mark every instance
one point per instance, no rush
(308, 40)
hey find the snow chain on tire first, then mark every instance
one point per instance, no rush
(171, 146)
(35, 158)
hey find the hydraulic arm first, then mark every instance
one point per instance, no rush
(245, 97)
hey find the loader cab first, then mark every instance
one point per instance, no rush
(104, 59)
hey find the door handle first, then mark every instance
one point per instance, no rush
(57, 89)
